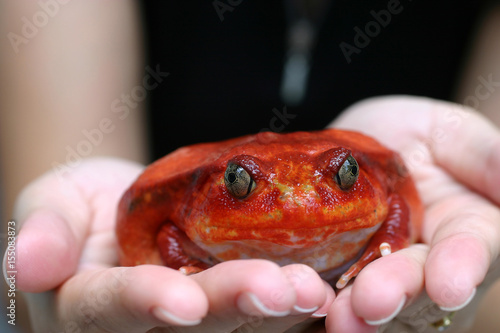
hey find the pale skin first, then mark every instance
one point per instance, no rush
(71, 236)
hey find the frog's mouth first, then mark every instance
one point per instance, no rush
(317, 248)
(300, 226)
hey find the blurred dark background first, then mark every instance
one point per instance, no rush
(225, 75)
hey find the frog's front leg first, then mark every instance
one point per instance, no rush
(393, 235)
(179, 252)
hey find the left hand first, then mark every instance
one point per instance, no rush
(66, 257)
(453, 154)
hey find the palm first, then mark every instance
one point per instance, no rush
(101, 187)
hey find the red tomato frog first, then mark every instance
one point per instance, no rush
(332, 199)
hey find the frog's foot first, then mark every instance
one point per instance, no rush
(384, 248)
(393, 235)
(177, 251)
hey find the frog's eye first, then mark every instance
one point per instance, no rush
(238, 181)
(348, 173)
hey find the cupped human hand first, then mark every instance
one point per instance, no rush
(453, 154)
(67, 267)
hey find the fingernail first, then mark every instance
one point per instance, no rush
(461, 306)
(249, 302)
(305, 310)
(4, 262)
(170, 318)
(4, 270)
(390, 317)
(318, 315)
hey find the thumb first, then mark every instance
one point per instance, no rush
(54, 217)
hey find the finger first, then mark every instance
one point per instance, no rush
(310, 290)
(47, 252)
(312, 294)
(55, 216)
(461, 134)
(330, 298)
(465, 240)
(129, 299)
(341, 317)
(245, 291)
(48, 245)
(384, 287)
(260, 290)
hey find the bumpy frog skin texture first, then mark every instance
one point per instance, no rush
(334, 200)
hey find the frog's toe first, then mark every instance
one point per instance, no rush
(349, 274)
(342, 282)
(385, 249)
(188, 270)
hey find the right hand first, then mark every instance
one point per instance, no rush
(67, 258)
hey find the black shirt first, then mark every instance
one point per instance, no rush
(226, 60)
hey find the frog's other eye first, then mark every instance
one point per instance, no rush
(348, 173)
(238, 182)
